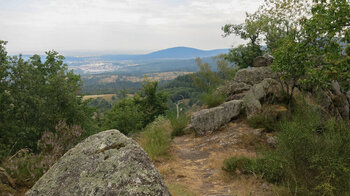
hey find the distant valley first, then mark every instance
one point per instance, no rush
(110, 73)
(171, 59)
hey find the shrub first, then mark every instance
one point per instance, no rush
(268, 118)
(126, 116)
(312, 156)
(213, 99)
(316, 152)
(241, 164)
(270, 169)
(178, 124)
(155, 138)
(26, 167)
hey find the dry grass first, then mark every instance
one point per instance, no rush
(110, 79)
(107, 97)
(177, 189)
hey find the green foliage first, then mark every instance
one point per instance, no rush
(309, 40)
(34, 97)
(243, 55)
(315, 152)
(268, 118)
(126, 116)
(27, 167)
(178, 124)
(311, 158)
(152, 103)
(224, 70)
(270, 169)
(312, 155)
(155, 138)
(213, 98)
(205, 79)
(130, 115)
(100, 104)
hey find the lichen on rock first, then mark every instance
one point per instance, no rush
(107, 163)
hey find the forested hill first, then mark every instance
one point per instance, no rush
(169, 53)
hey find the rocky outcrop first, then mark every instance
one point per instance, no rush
(263, 61)
(336, 103)
(266, 91)
(234, 90)
(208, 120)
(244, 80)
(254, 75)
(107, 163)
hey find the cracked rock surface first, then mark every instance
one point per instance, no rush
(107, 163)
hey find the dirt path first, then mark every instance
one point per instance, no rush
(196, 163)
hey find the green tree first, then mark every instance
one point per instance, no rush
(243, 55)
(318, 54)
(36, 96)
(132, 114)
(206, 79)
(126, 116)
(152, 102)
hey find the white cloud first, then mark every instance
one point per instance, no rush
(118, 25)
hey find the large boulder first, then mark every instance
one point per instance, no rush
(326, 103)
(263, 61)
(254, 75)
(335, 88)
(266, 91)
(107, 163)
(234, 90)
(342, 104)
(208, 120)
(335, 104)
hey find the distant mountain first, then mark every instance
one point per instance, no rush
(184, 53)
(169, 53)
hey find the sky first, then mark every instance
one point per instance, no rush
(93, 27)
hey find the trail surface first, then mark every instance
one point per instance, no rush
(196, 163)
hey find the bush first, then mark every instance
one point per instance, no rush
(213, 99)
(268, 118)
(155, 138)
(312, 156)
(268, 168)
(237, 163)
(178, 124)
(126, 116)
(26, 167)
(316, 152)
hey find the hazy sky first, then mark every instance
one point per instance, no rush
(75, 27)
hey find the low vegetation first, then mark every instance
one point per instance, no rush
(213, 99)
(155, 139)
(311, 156)
(26, 167)
(178, 124)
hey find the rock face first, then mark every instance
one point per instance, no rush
(234, 90)
(263, 61)
(335, 102)
(208, 120)
(107, 163)
(267, 89)
(254, 75)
